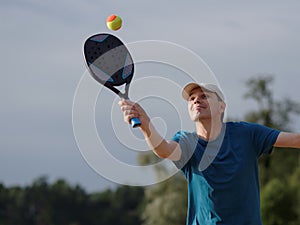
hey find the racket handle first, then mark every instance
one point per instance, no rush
(135, 122)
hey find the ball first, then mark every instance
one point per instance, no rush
(114, 22)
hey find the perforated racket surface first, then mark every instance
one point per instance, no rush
(110, 63)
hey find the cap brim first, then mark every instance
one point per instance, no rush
(186, 91)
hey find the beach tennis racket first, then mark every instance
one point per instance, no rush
(110, 63)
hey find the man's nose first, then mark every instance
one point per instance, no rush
(196, 100)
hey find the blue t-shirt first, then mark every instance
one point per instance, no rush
(222, 174)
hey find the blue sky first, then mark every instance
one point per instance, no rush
(42, 64)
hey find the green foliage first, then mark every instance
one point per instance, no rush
(280, 205)
(294, 183)
(166, 202)
(62, 204)
(270, 112)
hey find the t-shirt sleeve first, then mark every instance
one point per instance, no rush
(264, 138)
(188, 143)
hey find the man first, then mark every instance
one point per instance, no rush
(219, 160)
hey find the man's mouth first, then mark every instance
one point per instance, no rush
(198, 108)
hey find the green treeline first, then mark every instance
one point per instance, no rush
(59, 203)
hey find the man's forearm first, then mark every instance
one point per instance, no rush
(160, 146)
(288, 140)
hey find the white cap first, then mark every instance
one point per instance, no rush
(186, 91)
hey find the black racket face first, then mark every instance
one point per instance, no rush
(108, 60)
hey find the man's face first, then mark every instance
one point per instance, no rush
(204, 105)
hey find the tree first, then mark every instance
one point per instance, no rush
(42, 203)
(166, 202)
(280, 207)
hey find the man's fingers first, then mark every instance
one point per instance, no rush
(131, 110)
(125, 102)
(127, 108)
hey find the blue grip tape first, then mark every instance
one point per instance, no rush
(135, 122)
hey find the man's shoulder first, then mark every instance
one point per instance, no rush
(185, 137)
(249, 128)
(185, 134)
(241, 128)
(241, 124)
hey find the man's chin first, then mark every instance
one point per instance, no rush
(200, 118)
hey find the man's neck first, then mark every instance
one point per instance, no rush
(209, 130)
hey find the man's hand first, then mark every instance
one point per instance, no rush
(134, 110)
(161, 147)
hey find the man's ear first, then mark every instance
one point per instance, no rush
(223, 107)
